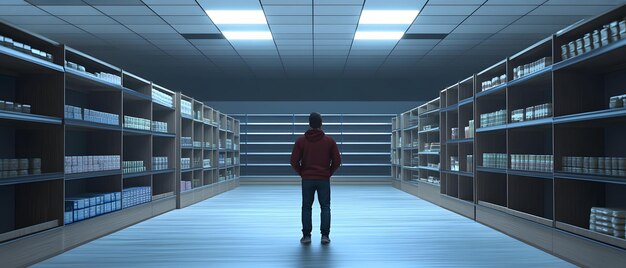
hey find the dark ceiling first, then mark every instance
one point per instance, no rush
(312, 55)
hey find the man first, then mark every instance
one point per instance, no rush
(315, 157)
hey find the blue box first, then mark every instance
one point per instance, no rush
(108, 197)
(118, 196)
(80, 214)
(68, 217)
(107, 207)
(78, 202)
(99, 210)
(92, 211)
(118, 205)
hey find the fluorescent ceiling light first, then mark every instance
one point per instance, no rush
(378, 35)
(388, 16)
(242, 35)
(237, 16)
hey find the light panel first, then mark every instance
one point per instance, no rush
(365, 35)
(388, 16)
(237, 16)
(246, 35)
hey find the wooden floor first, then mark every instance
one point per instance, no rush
(259, 226)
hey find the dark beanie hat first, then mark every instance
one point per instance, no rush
(315, 120)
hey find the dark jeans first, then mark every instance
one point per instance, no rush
(308, 196)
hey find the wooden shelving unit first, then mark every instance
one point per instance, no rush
(72, 104)
(212, 155)
(552, 109)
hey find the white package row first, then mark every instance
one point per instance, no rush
(136, 123)
(162, 98)
(526, 69)
(24, 48)
(91, 163)
(532, 162)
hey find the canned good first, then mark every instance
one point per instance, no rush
(614, 31)
(13, 165)
(22, 173)
(595, 36)
(604, 35)
(12, 173)
(564, 53)
(22, 164)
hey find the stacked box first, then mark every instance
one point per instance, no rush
(197, 143)
(532, 162)
(496, 81)
(617, 101)
(495, 160)
(136, 123)
(470, 163)
(72, 112)
(609, 166)
(222, 160)
(609, 33)
(19, 167)
(493, 119)
(14, 107)
(101, 117)
(469, 130)
(134, 166)
(185, 163)
(136, 195)
(79, 164)
(111, 78)
(162, 98)
(454, 133)
(527, 69)
(454, 163)
(160, 163)
(185, 108)
(159, 126)
(185, 186)
(206, 163)
(87, 206)
(186, 141)
(609, 221)
(25, 48)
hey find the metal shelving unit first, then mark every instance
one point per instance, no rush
(267, 141)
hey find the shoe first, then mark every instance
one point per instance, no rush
(325, 239)
(306, 239)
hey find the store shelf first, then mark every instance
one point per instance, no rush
(533, 174)
(532, 123)
(136, 174)
(544, 73)
(491, 170)
(31, 178)
(589, 116)
(77, 78)
(429, 131)
(591, 177)
(494, 90)
(95, 174)
(91, 125)
(457, 141)
(428, 168)
(163, 171)
(608, 55)
(27, 63)
(131, 131)
(492, 128)
(134, 95)
(32, 118)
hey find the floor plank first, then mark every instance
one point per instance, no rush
(259, 226)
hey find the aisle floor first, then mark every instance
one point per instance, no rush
(259, 226)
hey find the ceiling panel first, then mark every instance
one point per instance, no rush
(306, 33)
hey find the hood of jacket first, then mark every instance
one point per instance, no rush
(314, 134)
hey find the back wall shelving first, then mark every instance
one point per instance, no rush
(267, 141)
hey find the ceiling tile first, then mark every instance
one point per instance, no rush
(140, 20)
(26, 20)
(514, 2)
(476, 19)
(195, 29)
(125, 10)
(479, 28)
(288, 10)
(54, 28)
(151, 28)
(170, 2)
(335, 20)
(554, 19)
(504, 10)
(289, 20)
(203, 19)
(431, 28)
(438, 20)
(280, 29)
(96, 29)
(335, 28)
(448, 10)
(178, 10)
(68, 10)
(338, 2)
(569, 10)
(584, 2)
(456, 2)
(337, 10)
(546, 29)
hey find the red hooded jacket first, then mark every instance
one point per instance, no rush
(315, 155)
